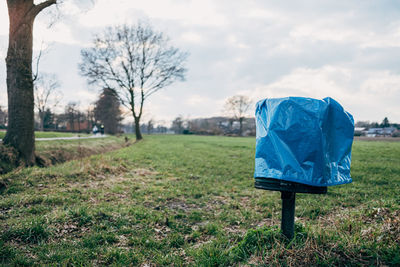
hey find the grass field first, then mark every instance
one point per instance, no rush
(48, 134)
(190, 200)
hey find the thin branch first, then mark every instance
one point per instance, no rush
(35, 76)
(39, 7)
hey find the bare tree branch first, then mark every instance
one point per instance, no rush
(37, 61)
(39, 7)
(46, 94)
(237, 107)
(135, 61)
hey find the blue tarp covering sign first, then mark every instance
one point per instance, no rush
(304, 140)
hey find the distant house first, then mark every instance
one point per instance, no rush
(78, 126)
(360, 131)
(387, 131)
(373, 132)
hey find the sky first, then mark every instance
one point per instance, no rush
(347, 50)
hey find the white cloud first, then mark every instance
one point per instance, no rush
(382, 83)
(359, 91)
(59, 32)
(263, 14)
(342, 49)
(3, 98)
(316, 83)
(86, 96)
(197, 100)
(233, 40)
(192, 37)
(346, 28)
(188, 12)
(3, 18)
(389, 37)
(326, 30)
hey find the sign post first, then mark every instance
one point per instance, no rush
(288, 208)
(288, 195)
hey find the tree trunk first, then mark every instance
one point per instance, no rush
(20, 130)
(79, 123)
(72, 122)
(137, 129)
(241, 126)
(41, 118)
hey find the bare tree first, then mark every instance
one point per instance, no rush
(46, 95)
(150, 126)
(71, 114)
(237, 107)
(178, 125)
(20, 132)
(134, 61)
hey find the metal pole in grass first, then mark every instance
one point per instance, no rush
(288, 195)
(288, 209)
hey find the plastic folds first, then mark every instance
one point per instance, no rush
(303, 140)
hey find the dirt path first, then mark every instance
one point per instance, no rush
(68, 138)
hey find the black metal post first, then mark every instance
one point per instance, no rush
(288, 208)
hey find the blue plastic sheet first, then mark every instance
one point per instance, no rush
(303, 140)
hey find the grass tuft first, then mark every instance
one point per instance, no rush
(34, 232)
(255, 242)
(81, 216)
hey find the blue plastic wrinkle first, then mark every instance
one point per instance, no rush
(303, 140)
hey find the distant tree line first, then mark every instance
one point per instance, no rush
(106, 110)
(385, 123)
(236, 122)
(215, 126)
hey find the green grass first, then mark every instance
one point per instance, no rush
(48, 134)
(190, 200)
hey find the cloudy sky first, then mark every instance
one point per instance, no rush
(348, 50)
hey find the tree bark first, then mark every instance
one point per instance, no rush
(41, 118)
(137, 129)
(241, 126)
(20, 130)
